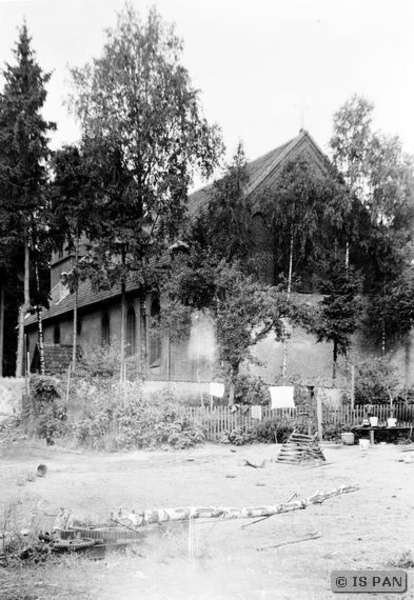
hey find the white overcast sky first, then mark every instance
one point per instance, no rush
(255, 62)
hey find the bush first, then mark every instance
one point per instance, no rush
(375, 379)
(251, 390)
(279, 429)
(238, 436)
(267, 431)
(124, 419)
(48, 413)
(332, 431)
(104, 362)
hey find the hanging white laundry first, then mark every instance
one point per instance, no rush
(256, 411)
(282, 396)
(217, 389)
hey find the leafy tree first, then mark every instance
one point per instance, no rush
(351, 141)
(212, 274)
(350, 145)
(246, 312)
(243, 309)
(24, 151)
(380, 176)
(376, 381)
(226, 222)
(142, 118)
(390, 315)
(340, 309)
(391, 205)
(295, 208)
(72, 213)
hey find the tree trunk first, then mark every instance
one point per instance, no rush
(407, 361)
(290, 274)
(335, 360)
(123, 316)
(235, 372)
(1, 328)
(75, 307)
(347, 255)
(383, 345)
(40, 344)
(353, 387)
(23, 310)
(289, 291)
(143, 336)
(123, 319)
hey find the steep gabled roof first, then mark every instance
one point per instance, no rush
(260, 169)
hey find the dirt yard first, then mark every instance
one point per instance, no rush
(364, 529)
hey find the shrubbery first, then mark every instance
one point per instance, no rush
(96, 410)
(238, 436)
(268, 431)
(110, 415)
(47, 415)
(135, 423)
(251, 390)
(375, 379)
(279, 429)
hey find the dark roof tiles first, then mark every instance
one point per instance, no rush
(257, 171)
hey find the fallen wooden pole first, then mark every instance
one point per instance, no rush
(164, 515)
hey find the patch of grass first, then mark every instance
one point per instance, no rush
(58, 579)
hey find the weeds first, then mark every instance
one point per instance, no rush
(405, 560)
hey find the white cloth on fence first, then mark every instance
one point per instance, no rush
(217, 389)
(256, 411)
(282, 396)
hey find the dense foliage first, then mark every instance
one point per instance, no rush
(23, 175)
(117, 203)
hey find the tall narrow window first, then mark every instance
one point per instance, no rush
(105, 330)
(131, 347)
(155, 334)
(56, 335)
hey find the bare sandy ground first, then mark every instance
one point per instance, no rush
(363, 529)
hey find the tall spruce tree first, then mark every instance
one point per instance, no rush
(24, 152)
(339, 310)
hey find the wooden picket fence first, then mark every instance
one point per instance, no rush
(222, 419)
